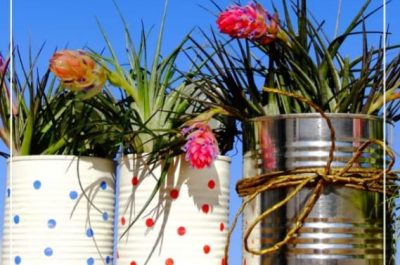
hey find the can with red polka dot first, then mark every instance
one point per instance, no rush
(185, 222)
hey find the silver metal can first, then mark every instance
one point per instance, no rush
(345, 226)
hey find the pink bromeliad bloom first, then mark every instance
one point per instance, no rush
(250, 22)
(3, 65)
(201, 147)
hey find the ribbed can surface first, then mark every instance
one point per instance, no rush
(49, 219)
(346, 225)
(185, 223)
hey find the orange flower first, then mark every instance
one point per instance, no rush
(78, 71)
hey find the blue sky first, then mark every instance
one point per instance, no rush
(73, 24)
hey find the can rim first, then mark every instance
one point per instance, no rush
(225, 158)
(317, 115)
(55, 157)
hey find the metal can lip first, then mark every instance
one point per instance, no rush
(317, 115)
(24, 158)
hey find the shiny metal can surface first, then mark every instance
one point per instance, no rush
(345, 226)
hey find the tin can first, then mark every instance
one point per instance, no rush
(345, 226)
(59, 210)
(187, 220)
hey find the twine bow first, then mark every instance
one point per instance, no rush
(368, 179)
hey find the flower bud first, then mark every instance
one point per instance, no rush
(78, 72)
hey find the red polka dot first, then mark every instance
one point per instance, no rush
(174, 194)
(123, 220)
(223, 262)
(169, 261)
(206, 249)
(181, 230)
(133, 263)
(149, 222)
(135, 181)
(221, 227)
(211, 184)
(205, 208)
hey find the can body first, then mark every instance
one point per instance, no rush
(186, 221)
(59, 210)
(345, 225)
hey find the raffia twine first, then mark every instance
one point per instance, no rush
(367, 179)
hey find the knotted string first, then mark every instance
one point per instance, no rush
(367, 179)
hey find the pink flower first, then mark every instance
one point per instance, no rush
(201, 147)
(251, 22)
(3, 65)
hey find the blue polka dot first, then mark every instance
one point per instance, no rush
(16, 219)
(73, 195)
(105, 216)
(48, 252)
(89, 232)
(103, 185)
(17, 260)
(108, 260)
(51, 223)
(37, 184)
(8, 192)
(90, 261)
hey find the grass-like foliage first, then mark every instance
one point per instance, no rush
(157, 96)
(48, 120)
(305, 62)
